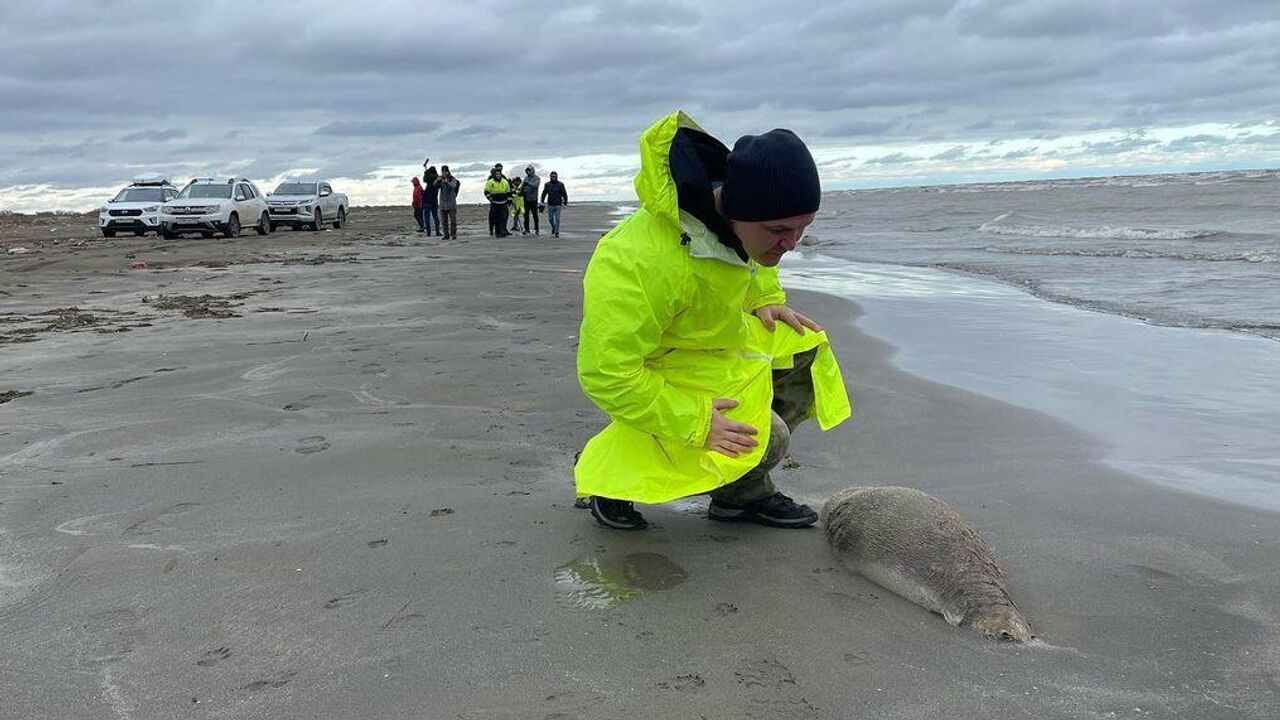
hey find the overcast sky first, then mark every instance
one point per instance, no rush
(886, 92)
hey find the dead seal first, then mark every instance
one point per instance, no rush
(911, 543)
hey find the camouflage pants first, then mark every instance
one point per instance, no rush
(792, 401)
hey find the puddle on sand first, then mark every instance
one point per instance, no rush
(600, 583)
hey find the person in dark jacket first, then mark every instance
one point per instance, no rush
(431, 201)
(417, 203)
(556, 198)
(448, 185)
(529, 189)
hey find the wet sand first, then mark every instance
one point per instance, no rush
(328, 475)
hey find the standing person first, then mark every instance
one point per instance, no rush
(686, 340)
(556, 197)
(417, 202)
(517, 205)
(497, 190)
(431, 200)
(529, 189)
(448, 185)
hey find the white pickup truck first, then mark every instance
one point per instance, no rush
(307, 204)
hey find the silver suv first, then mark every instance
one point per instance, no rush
(215, 205)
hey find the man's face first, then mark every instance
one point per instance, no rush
(528, 171)
(553, 176)
(767, 241)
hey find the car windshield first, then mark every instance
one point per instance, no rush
(296, 189)
(206, 190)
(140, 194)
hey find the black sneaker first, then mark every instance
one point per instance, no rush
(617, 514)
(777, 510)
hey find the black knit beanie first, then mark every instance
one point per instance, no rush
(769, 177)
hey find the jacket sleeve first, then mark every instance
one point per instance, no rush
(626, 308)
(765, 289)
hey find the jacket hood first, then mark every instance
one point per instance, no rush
(679, 162)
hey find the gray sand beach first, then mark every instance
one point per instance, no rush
(340, 486)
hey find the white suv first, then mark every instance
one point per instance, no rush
(209, 205)
(136, 208)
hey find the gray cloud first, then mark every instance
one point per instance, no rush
(955, 153)
(469, 132)
(358, 88)
(155, 135)
(1196, 142)
(892, 159)
(377, 128)
(1125, 144)
(1018, 154)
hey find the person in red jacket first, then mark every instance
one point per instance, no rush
(417, 202)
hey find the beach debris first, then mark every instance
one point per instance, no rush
(27, 327)
(10, 395)
(19, 250)
(809, 240)
(322, 259)
(913, 544)
(198, 306)
(687, 682)
(140, 265)
(441, 511)
(68, 318)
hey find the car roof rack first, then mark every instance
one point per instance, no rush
(154, 178)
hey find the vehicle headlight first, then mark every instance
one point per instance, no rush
(151, 208)
(304, 206)
(102, 209)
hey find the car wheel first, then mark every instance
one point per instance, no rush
(167, 234)
(315, 224)
(232, 229)
(342, 218)
(264, 225)
(108, 233)
(139, 233)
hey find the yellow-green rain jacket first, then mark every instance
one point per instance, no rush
(667, 327)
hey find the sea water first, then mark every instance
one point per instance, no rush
(1145, 311)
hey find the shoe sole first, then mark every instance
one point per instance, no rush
(614, 524)
(727, 515)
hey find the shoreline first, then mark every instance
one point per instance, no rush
(1182, 408)
(354, 498)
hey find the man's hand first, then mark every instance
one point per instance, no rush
(770, 314)
(728, 437)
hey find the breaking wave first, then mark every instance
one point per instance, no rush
(1002, 225)
(1139, 253)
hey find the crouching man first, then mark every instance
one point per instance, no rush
(686, 339)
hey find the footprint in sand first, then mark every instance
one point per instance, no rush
(213, 657)
(270, 683)
(158, 520)
(311, 444)
(302, 404)
(344, 599)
